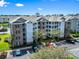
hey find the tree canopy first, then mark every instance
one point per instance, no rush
(51, 53)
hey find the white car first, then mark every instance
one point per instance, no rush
(18, 52)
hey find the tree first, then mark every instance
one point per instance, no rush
(39, 35)
(55, 33)
(52, 53)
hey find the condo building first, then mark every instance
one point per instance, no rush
(23, 27)
(71, 24)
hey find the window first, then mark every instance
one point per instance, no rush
(16, 32)
(34, 23)
(23, 34)
(49, 22)
(43, 23)
(19, 32)
(56, 22)
(46, 26)
(24, 39)
(38, 22)
(35, 27)
(49, 26)
(23, 24)
(38, 26)
(49, 34)
(46, 22)
(47, 30)
(55, 26)
(23, 29)
(52, 22)
(16, 38)
(17, 26)
(59, 23)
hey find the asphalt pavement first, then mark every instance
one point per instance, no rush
(74, 49)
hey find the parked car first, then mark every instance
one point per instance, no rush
(58, 43)
(77, 41)
(70, 41)
(16, 52)
(20, 52)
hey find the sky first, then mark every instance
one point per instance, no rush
(25, 7)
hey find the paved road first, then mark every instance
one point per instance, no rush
(73, 49)
(70, 46)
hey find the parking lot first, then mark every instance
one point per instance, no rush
(74, 49)
(24, 55)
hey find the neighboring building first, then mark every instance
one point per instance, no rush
(73, 23)
(21, 31)
(7, 18)
(4, 19)
(22, 28)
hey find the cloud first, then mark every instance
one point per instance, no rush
(3, 3)
(19, 5)
(40, 9)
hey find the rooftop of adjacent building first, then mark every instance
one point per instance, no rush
(33, 18)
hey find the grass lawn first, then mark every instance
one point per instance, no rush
(4, 45)
(74, 34)
(4, 24)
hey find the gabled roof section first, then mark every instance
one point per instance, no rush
(42, 19)
(18, 20)
(55, 18)
(25, 18)
(69, 18)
